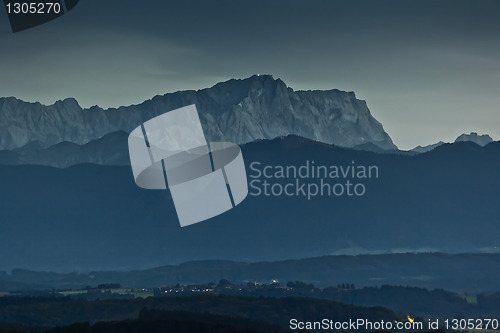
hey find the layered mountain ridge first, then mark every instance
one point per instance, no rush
(91, 217)
(480, 140)
(112, 149)
(239, 111)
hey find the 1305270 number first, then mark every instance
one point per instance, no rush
(33, 8)
(472, 324)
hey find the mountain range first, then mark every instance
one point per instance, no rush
(111, 149)
(444, 200)
(239, 111)
(88, 214)
(481, 140)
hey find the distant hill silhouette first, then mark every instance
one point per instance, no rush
(90, 217)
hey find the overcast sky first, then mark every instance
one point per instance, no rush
(429, 70)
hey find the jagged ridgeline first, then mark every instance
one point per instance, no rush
(239, 111)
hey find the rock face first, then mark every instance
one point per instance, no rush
(481, 140)
(239, 111)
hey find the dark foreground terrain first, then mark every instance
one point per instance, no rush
(227, 307)
(222, 312)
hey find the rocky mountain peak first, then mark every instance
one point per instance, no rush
(240, 111)
(481, 140)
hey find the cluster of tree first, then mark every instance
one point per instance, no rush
(109, 286)
(272, 303)
(208, 324)
(155, 321)
(47, 312)
(486, 302)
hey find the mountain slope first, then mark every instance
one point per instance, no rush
(481, 140)
(424, 149)
(239, 111)
(95, 217)
(111, 149)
